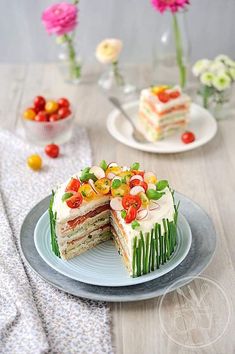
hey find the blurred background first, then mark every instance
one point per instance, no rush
(23, 38)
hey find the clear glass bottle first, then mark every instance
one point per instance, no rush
(70, 63)
(171, 52)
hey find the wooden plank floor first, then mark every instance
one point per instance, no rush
(207, 175)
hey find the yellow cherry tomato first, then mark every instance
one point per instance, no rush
(87, 192)
(116, 170)
(29, 114)
(51, 106)
(120, 191)
(151, 179)
(34, 162)
(126, 175)
(144, 199)
(158, 89)
(103, 185)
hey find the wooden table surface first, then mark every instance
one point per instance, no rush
(207, 175)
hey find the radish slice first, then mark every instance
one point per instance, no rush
(110, 175)
(153, 205)
(136, 190)
(140, 178)
(112, 164)
(148, 175)
(151, 186)
(98, 172)
(142, 214)
(116, 203)
(92, 184)
(125, 168)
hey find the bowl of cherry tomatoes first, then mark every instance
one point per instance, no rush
(48, 120)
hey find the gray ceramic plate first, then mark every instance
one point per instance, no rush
(200, 254)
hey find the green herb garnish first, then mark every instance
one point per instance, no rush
(162, 184)
(135, 224)
(152, 194)
(66, 196)
(135, 166)
(103, 165)
(116, 183)
(123, 214)
(86, 175)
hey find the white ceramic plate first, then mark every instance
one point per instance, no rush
(202, 124)
(103, 265)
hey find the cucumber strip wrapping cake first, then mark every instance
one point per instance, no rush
(162, 111)
(128, 205)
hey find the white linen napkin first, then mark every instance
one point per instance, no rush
(34, 316)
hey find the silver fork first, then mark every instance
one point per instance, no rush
(137, 135)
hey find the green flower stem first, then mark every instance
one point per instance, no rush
(179, 51)
(75, 68)
(118, 77)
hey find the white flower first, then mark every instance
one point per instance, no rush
(221, 82)
(207, 78)
(217, 67)
(108, 50)
(200, 66)
(232, 72)
(226, 60)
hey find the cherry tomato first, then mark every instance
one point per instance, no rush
(63, 102)
(137, 172)
(73, 185)
(87, 192)
(34, 162)
(42, 116)
(103, 185)
(39, 102)
(137, 182)
(163, 97)
(188, 137)
(52, 150)
(51, 106)
(131, 214)
(131, 200)
(29, 113)
(64, 112)
(75, 201)
(54, 117)
(174, 94)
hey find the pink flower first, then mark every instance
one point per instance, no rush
(172, 5)
(60, 18)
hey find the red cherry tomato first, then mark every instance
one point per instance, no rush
(64, 112)
(73, 185)
(63, 102)
(41, 117)
(137, 172)
(188, 137)
(75, 201)
(131, 200)
(52, 150)
(131, 214)
(39, 102)
(54, 117)
(163, 97)
(137, 182)
(174, 94)
(144, 185)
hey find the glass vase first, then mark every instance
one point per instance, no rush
(70, 63)
(171, 53)
(115, 82)
(218, 103)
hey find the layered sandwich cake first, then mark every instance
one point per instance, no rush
(128, 205)
(162, 111)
